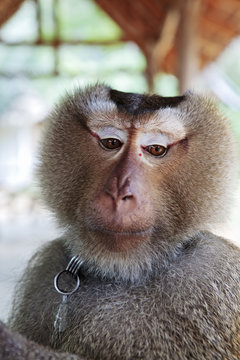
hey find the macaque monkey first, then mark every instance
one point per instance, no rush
(137, 182)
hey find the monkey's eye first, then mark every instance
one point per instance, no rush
(111, 143)
(157, 150)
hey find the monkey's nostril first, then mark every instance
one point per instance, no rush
(127, 197)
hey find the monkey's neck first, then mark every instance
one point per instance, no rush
(146, 261)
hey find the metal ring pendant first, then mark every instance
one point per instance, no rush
(62, 291)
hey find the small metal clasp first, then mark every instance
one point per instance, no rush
(72, 269)
(62, 291)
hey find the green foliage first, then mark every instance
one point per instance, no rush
(96, 60)
(166, 85)
(121, 64)
(47, 20)
(83, 20)
(22, 59)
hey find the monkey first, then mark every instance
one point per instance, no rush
(137, 182)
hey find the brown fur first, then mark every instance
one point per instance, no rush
(155, 283)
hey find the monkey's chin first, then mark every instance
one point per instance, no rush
(117, 241)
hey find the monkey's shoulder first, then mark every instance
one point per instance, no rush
(208, 258)
(36, 299)
(212, 250)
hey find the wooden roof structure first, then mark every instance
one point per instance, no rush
(177, 36)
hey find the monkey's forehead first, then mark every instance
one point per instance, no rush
(169, 121)
(152, 113)
(99, 105)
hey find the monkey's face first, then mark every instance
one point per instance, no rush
(129, 162)
(127, 171)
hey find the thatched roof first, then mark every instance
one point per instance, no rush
(142, 21)
(170, 31)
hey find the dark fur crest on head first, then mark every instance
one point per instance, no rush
(140, 103)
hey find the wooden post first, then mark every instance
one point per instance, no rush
(157, 51)
(166, 38)
(187, 49)
(149, 72)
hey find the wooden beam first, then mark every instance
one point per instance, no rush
(187, 47)
(8, 8)
(166, 38)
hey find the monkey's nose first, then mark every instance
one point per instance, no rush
(117, 198)
(119, 191)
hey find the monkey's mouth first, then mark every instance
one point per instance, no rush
(119, 232)
(120, 240)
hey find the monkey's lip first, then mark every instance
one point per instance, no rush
(129, 233)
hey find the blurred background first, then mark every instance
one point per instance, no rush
(50, 46)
